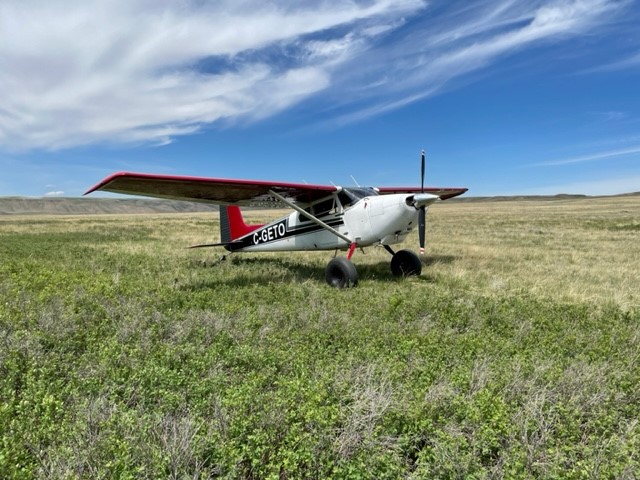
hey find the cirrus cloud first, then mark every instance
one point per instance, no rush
(120, 71)
(81, 72)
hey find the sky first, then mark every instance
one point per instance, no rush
(507, 97)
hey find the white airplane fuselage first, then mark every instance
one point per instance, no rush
(372, 220)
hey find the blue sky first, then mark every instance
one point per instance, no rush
(507, 97)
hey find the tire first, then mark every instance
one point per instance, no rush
(405, 263)
(341, 273)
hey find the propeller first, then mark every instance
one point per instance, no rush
(422, 213)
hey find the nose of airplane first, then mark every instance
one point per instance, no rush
(421, 199)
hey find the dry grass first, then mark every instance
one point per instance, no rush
(584, 250)
(576, 250)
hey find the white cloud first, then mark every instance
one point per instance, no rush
(56, 193)
(467, 39)
(611, 116)
(79, 72)
(632, 61)
(85, 71)
(589, 158)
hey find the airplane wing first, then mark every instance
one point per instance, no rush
(443, 193)
(233, 191)
(210, 190)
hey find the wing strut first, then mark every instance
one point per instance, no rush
(312, 218)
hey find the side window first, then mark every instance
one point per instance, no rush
(326, 206)
(302, 218)
(319, 209)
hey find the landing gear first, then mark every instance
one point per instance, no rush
(341, 273)
(405, 263)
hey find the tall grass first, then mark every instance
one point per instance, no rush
(124, 354)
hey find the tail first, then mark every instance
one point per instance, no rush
(232, 224)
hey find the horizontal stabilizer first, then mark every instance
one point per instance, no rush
(205, 245)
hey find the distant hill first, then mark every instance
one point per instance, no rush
(560, 196)
(92, 206)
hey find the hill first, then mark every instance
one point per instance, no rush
(85, 206)
(559, 196)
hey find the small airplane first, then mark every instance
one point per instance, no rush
(325, 217)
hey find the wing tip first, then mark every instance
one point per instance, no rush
(106, 181)
(453, 192)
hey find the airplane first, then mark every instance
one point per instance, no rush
(324, 217)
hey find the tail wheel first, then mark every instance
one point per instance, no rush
(341, 273)
(405, 263)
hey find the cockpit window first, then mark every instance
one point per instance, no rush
(319, 209)
(346, 196)
(323, 207)
(351, 195)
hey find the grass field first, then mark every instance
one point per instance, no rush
(514, 355)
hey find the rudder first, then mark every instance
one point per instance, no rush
(232, 225)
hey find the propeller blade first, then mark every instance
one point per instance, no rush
(422, 215)
(422, 173)
(421, 228)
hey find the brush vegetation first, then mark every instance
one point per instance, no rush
(515, 355)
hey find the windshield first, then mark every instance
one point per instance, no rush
(351, 195)
(361, 192)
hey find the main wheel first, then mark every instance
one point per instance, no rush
(341, 273)
(405, 263)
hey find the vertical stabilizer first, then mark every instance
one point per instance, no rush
(232, 225)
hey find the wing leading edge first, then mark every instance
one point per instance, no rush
(210, 190)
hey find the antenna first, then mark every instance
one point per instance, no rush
(355, 181)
